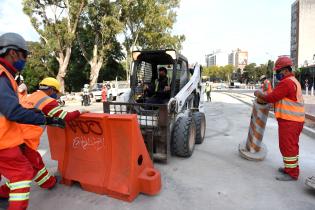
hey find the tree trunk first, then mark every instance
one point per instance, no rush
(63, 64)
(95, 70)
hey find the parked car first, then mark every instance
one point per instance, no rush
(117, 88)
(96, 92)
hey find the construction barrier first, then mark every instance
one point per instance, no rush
(106, 154)
(253, 148)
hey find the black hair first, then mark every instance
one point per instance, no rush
(163, 69)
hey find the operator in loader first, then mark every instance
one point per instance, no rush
(290, 114)
(161, 91)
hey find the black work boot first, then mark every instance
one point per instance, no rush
(285, 177)
(281, 170)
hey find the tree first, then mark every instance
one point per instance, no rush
(249, 74)
(148, 24)
(40, 64)
(100, 26)
(56, 22)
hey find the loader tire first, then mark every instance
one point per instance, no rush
(200, 122)
(183, 138)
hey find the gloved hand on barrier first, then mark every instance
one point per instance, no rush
(260, 96)
(55, 121)
(83, 111)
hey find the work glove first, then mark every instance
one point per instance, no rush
(55, 121)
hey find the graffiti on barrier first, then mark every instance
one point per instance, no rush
(86, 126)
(86, 142)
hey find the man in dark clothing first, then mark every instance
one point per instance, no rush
(161, 91)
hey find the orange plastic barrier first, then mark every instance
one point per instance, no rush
(106, 154)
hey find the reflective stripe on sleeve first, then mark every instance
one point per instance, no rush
(19, 185)
(19, 196)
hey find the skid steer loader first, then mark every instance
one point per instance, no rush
(175, 126)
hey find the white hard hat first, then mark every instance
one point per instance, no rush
(12, 41)
(262, 77)
(86, 85)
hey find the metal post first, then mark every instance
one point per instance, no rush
(312, 89)
(273, 79)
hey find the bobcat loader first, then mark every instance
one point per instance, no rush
(175, 126)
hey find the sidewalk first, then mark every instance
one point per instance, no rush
(309, 102)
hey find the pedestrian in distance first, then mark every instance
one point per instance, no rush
(208, 91)
(265, 84)
(14, 166)
(104, 93)
(290, 114)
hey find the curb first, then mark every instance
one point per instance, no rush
(306, 130)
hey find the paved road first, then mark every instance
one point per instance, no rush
(214, 178)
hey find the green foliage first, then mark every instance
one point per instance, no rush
(77, 34)
(252, 73)
(39, 65)
(54, 28)
(148, 24)
(219, 73)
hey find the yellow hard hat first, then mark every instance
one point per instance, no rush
(50, 82)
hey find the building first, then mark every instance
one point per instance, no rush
(302, 32)
(217, 58)
(238, 58)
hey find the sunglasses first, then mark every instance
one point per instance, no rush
(23, 52)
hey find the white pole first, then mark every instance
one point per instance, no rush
(312, 91)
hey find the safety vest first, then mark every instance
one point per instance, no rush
(288, 109)
(32, 133)
(208, 88)
(157, 84)
(10, 132)
(266, 87)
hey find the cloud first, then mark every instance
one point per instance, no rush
(14, 20)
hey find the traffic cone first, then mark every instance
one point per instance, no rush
(253, 148)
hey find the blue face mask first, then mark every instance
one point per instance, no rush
(54, 95)
(279, 76)
(19, 65)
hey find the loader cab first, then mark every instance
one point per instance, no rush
(145, 71)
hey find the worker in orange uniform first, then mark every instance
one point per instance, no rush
(104, 93)
(44, 100)
(13, 164)
(265, 84)
(289, 111)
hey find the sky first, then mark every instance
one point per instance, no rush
(261, 27)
